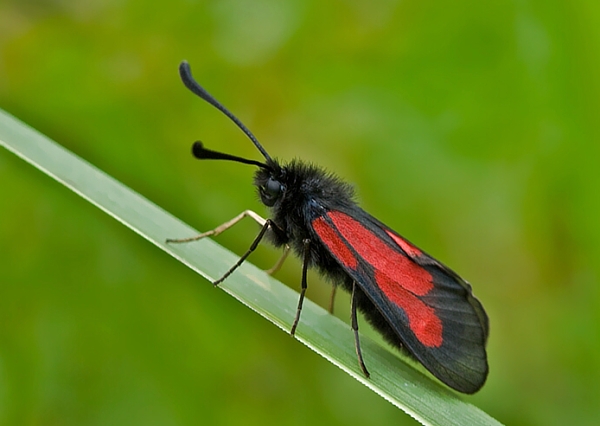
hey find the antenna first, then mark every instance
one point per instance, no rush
(186, 76)
(202, 153)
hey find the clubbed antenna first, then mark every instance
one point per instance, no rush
(186, 76)
(202, 153)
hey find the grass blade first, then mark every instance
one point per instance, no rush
(423, 398)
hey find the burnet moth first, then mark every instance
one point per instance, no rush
(418, 304)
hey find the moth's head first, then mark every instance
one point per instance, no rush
(270, 183)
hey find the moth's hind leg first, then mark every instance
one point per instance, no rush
(225, 226)
(332, 299)
(354, 319)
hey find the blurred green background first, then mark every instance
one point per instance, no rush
(470, 127)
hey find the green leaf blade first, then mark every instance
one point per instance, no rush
(418, 395)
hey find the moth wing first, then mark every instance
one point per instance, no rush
(430, 309)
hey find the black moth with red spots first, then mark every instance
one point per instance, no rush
(418, 304)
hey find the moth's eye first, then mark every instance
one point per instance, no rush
(270, 192)
(273, 187)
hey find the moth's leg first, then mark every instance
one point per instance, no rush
(225, 226)
(332, 299)
(303, 285)
(253, 246)
(354, 319)
(247, 213)
(277, 266)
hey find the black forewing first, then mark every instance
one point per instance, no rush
(460, 361)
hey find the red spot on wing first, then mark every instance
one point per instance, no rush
(422, 319)
(333, 241)
(400, 279)
(404, 245)
(398, 268)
